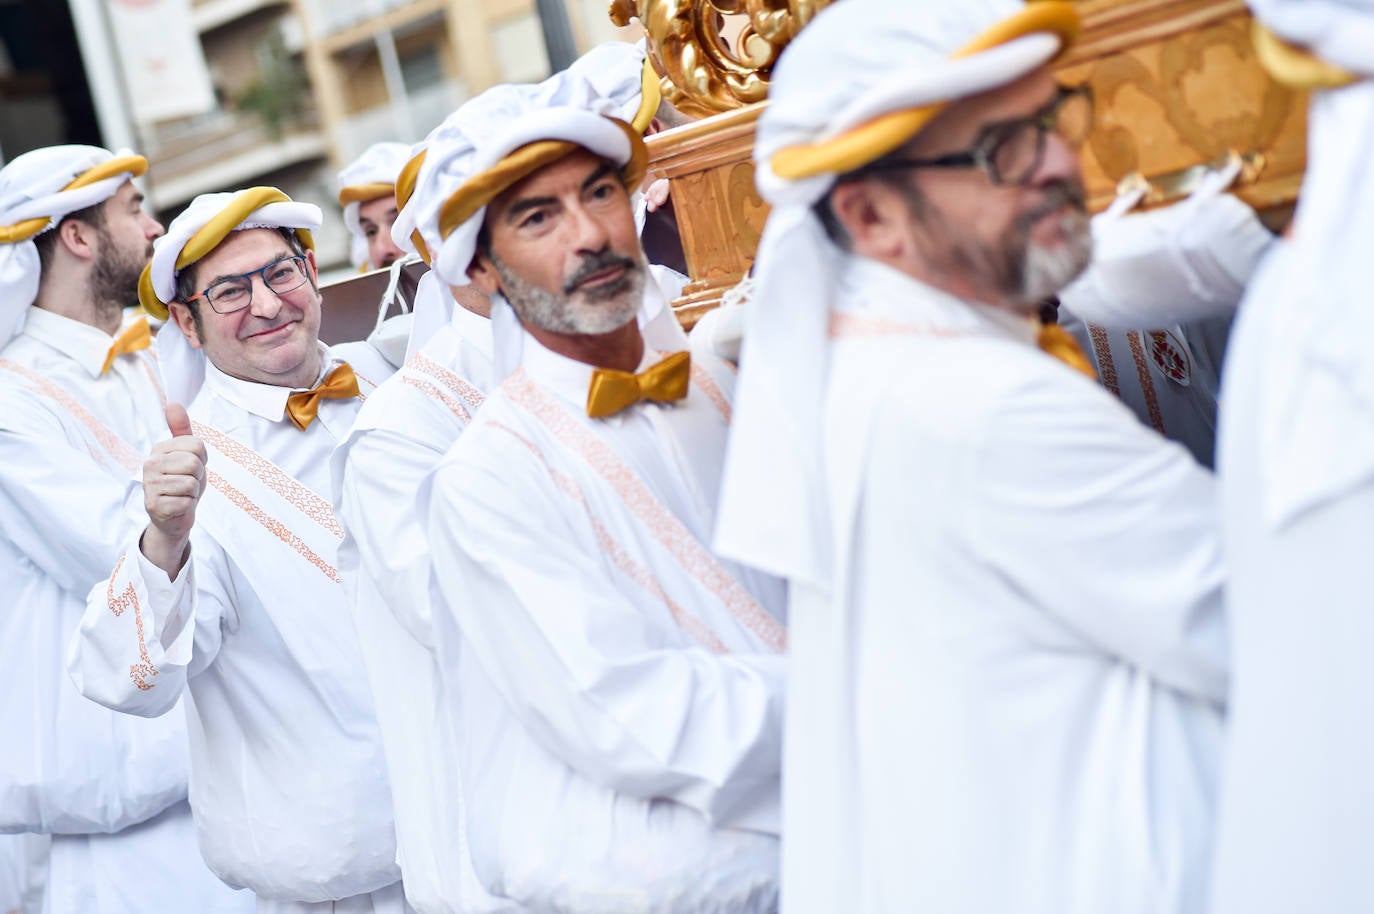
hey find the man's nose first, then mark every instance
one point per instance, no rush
(265, 303)
(587, 232)
(1059, 163)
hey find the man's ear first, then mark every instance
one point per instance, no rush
(874, 215)
(79, 238)
(185, 322)
(483, 274)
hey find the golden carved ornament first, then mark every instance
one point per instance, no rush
(702, 71)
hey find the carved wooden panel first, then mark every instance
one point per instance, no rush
(1176, 84)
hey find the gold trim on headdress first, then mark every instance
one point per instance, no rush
(881, 135)
(405, 189)
(23, 231)
(365, 193)
(480, 189)
(209, 237)
(1295, 66)
(651, 94)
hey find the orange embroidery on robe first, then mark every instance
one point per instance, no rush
(1102, 350)
(115, 447)
(707, 384)
(471, 395)
(271, 524)
(667, 529)
(269, 474)
(434, 393)
(1147, 384)
(141, 672)
(694, 627)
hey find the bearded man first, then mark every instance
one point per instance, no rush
(1008, 654)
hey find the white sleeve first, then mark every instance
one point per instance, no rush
(582, 669)
(1125, 528)
(381, 475)
(67, 514)
(142, 636)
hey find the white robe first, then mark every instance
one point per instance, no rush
(619, 689)
(1012, 701)
(400, 435)
(1297, 805)
(72, 442)
(287, 782)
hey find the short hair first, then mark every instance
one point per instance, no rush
(895, 178)
(46, 242)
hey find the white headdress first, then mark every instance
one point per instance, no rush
(858, 82)
(490, 143)
(621, 72)
(37, 190)
(207, 221)
(369, 177)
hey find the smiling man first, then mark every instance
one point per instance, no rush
(617, 689)
(1008, 650)
(231, 591)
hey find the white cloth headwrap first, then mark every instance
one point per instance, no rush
(31, 188)
(1340, 32)
(616, 71)
(858, 59)
(183, 367)
(380, 163)
(1319, 416)
(1181, 263)
(484, 131)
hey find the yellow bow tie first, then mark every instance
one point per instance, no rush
(1058, 342)
(612, 391)
(136, 337)
(304, 405)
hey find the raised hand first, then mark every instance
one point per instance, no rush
(173, 481)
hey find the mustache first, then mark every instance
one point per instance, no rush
(1057, 195)
(595, 263)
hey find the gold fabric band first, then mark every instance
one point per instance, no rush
(480, 189)
(244, 204)
(365, 193)
(1295, 66)
(651, 94)
(879, 136)
(405, 189)
(23, 231)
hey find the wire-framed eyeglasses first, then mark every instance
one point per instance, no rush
(1011, 151)
(234, 293)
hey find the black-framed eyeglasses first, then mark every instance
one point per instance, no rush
(234, 293)
(1011, 151)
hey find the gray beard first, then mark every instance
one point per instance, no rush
(604, 310)
(1045, 271)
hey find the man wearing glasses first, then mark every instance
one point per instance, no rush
(1007, 644)
(232, 591)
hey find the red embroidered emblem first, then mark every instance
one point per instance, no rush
(1170, 355)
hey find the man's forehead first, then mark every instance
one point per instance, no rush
(965, 117)
(244, 250)
(568, 172)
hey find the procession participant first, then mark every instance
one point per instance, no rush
(1296, 461)
(1008, 654)
(233, 585)
(399, 436)
(367, 193)
(618, 689)
(79, 402)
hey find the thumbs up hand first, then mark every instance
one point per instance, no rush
(173, 481)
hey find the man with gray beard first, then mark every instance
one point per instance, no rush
(1007, 646)
(616, 689)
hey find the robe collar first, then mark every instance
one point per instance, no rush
(86, 345)
(265, 400)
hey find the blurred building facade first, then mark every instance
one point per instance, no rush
(221, 94)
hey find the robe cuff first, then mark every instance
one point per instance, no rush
(171, 606)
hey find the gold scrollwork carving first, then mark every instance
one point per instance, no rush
(703, 72)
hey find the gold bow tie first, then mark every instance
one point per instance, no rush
(1056, 341)
(611, 391)
(304, 405)
(136, 337)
